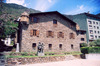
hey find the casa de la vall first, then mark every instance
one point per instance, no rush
(57, 32)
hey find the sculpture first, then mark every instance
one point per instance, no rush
(40, 49)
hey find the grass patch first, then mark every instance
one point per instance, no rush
(47, 54)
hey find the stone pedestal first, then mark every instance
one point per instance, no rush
(40, 54)
(17, 47)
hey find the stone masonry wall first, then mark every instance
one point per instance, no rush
(45, 24)
(21, 61)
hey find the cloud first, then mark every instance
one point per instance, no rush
(19, 2)
(79, 9)
(44, 5)
(49, 1)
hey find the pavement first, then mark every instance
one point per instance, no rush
(76, 62)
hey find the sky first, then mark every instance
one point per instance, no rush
(69, 7)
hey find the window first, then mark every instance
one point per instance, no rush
(97, 27)
(97, 23)
(72, 36)
(99, 36)
(54, 22)
(91, 31)
(35, 20)
(50, 46)
(98, 32)
(89, 22)
(72, 47)
(82, 32)
(60, 34)
(34, 46)
(93, 22)
(50, 34)
(34, 33)
(94, 31)
(82, 39)
(90, 26)
(95, 36)
(94, 26)
(91, 36)
(60, 46)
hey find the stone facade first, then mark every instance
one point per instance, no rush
(45, 23)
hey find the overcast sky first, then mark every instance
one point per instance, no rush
(69, 7)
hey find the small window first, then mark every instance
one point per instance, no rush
(90, 26)
(72, 47)
(91, 37)
(89, 22)
(97, 23)
(50, 34)
(35, 20)
(54, 21)
(50, 46)
(91, 31)
(93, 22)
(97, 27)
(60, 46)
(94, 31)
(34, 33)
(34, 46)
(99, 36)
(82, 39)
(60, 34)
(94, 26)
(98, 32)
(82, 32)
(72, 36)
(95, 36)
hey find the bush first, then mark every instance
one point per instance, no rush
(87, 50)
(84, 50)
(24, 54)
(84, 45)
(94, 49)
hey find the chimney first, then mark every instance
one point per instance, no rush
(88, 12)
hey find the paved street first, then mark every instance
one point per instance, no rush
(76, 62)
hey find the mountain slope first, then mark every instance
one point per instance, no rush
(13, 11)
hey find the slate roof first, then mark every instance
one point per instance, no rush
(55, 12)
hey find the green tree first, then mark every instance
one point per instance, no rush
(95, 43)
(8, 28)
(84, 44)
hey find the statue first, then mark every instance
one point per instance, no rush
(40, 49)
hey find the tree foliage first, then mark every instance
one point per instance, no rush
(8, 28)
(95, 43)
(84, 44)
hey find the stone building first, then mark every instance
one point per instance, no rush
(54, 30)
(90, 23)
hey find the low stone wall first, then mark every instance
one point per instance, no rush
(33, 60)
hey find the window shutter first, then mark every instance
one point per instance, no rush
(37, 33)
(58, 34)
(52, 34)
(62, 35)
(47, 33)
(73, 36)
(31, 32)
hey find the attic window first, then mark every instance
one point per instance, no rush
(54, 22)
(35, 20)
